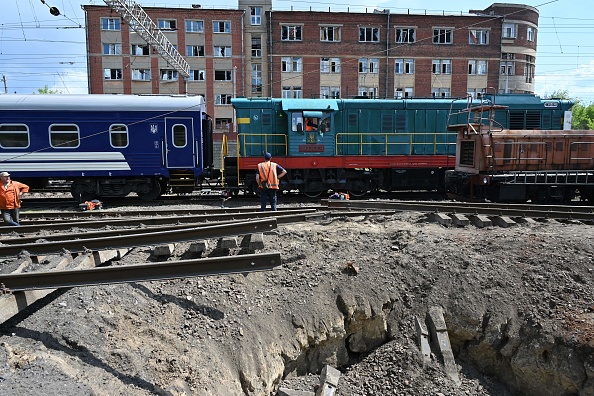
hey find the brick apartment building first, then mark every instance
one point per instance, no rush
(256, 51)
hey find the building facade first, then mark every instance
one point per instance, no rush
(256, 51)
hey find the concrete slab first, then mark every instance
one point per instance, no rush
(329, 378)
(441, 218)
(291, 392)
(256, 241)
(423, 340)
(94, 259)
(198, 247)
(22, 264)
(481, 221)
(459, 220)
(11, 304)
(228, 243)
(525, 220)
(504, 221)
(164, 250)
(441, 341)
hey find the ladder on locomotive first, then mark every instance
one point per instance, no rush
(480, 120)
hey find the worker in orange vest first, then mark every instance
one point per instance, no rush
(268, 176)
(10, 198)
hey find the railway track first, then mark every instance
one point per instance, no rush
(62, 249)
(513, 211)
(49, 201)
(57, 250)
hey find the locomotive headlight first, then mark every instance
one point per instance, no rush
(485, 180)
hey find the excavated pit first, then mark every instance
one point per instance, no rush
(505, 357)
(517, 303)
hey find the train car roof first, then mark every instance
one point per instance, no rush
(96, 102)
(309, 104)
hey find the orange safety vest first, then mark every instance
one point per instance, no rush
(10, 197)
(268, 176)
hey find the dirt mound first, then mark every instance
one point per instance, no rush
(517, 303)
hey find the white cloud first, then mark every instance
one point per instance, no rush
(577, 81)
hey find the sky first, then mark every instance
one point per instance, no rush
(38, 49)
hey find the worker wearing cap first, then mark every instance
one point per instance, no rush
(10, 198)
(268, 176)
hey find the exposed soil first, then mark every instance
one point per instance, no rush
(518, 303)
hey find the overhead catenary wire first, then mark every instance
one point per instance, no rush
(545, 27)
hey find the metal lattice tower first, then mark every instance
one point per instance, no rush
(141, 23)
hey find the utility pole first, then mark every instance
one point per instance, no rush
(5, 86)
(141, 23)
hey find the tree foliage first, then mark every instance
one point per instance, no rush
(583, 115)
(46, 91)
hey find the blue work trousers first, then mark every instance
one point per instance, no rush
(11, 216)
(267, 195)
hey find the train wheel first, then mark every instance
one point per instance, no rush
(313, 188)
(312, 194)
(150, 191)
(357, 193)
(359, 189)
(81, 192)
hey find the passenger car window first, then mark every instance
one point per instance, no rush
(14, 136)
(64, 136)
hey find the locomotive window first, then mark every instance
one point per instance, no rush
(325, 125)
(179, 135)
(118, 135)
(14, 136)
(297, 122)
(64, 136)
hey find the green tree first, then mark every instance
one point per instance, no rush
(582, 115)
(46, 91)
(560, 94)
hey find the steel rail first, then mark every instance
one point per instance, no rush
(286, 219)
(463, 209)
(133, 231)
(539, 207)
(30, 228)
(525, 206)
(140, 272)
(142, 237)
(25, 216)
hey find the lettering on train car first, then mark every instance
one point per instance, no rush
(311, 148)
(551, 104)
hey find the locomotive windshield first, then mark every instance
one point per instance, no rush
(310, 121)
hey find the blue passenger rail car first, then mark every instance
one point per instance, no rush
(106, 145)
